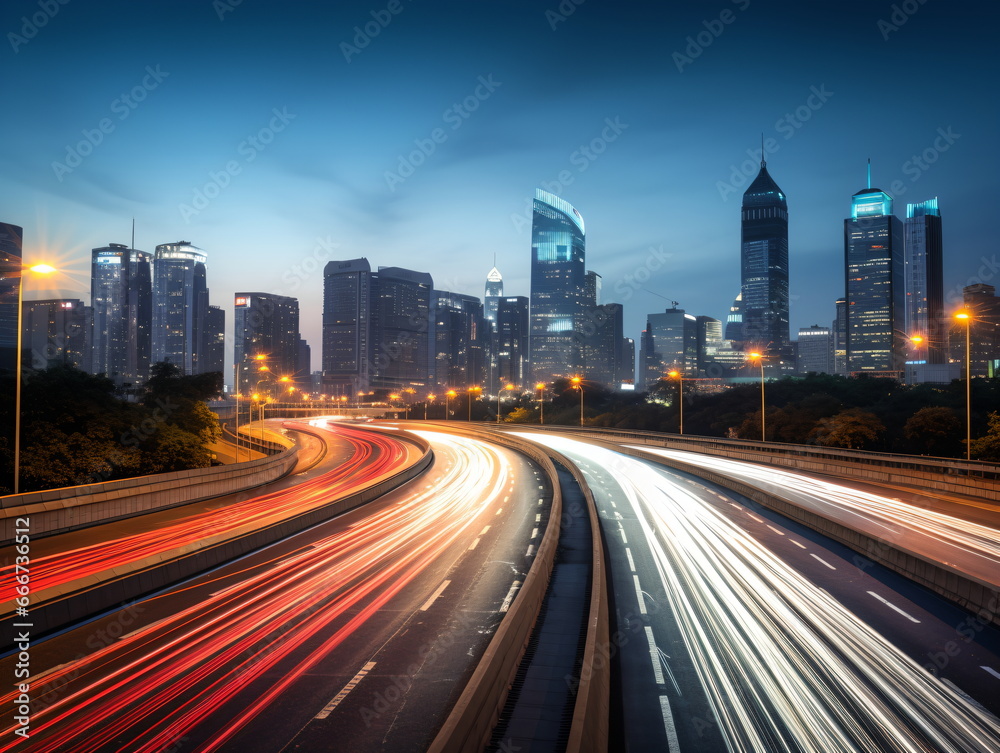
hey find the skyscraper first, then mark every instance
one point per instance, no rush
(212, 356)
(266, 325)
(815, 351)
(628, 361)
(56, 332)
(512, 340)
(494, 292)
(349, 291)
(670, 342)
(839, 333)
(180, 304)
(709, 340)
(874, 279)
(121, 298)
(10, 292)
(403, 323)
(557, 287)
(923, 269)
(592, 289)
(764, 263)
(734, 321)
(460, 332)
(602, 344)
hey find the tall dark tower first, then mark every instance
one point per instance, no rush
(873, 262)
(923, 265)
(764, 263)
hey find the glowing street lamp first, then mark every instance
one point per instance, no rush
(507, 387)
(965, 317)
(759, 357)
(38, 269)
(541, 402)
(406, 404)
(430, 399)
(680, 396)
(471, 390)
(577, 383)
(447, 402)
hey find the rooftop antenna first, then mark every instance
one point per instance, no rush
(763, 162)
(869, 172)
(133, 233)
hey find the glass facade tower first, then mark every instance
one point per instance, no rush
(266, 325)
(349, 288)
(923, 270)
(873, 261)
(121, 293)
(558, 287)
(764, 263)
(10, 291)
(180, 305)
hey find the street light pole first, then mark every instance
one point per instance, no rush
(541, 402)
(760, 357)
(966, 317)
(578, 384)
(680, 398)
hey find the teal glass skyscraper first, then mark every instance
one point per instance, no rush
(873, 262)
(558, 282)
(764, 263)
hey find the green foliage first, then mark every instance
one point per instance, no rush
(854, 429)
(987, 447)
(74, 430)
(934, 430)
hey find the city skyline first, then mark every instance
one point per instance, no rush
(652, 185)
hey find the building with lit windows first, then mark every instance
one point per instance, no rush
(512, 340)
(923, 261)
(349, 290)
(56, 332)
(670, 342)
(10, 291)
(265, 325)
(815, 350)
(764, 264)
(121, 294)
(558, 282)
(180, 305)
(873, 261)
(603, 340)
(494, 292)
(461, 335)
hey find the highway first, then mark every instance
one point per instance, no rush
(337, 462)
(741, 631)
(356, 634)
(971, 547)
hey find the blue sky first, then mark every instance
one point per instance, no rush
(300, 134)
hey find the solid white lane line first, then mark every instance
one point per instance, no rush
(780, 533)
(335, 701)
(427, 604)
(639, 596)
(991, 671)
(654, 656)
(510, 596)
(893, 607)
(800, 546)
(631, 562)
(474, 544)
(823, 561)
(483, 532)
(668, 724)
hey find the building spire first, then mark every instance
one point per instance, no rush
(133, 233)
(763, 162)
(869, 172)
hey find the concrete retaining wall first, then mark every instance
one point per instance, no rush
(471, 721)
(58, 510)
(157, 573)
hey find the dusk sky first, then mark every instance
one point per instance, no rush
(620, 108)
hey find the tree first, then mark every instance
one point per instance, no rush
(521, 416)
(854, 429)
(934, 430)
(987, 447)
